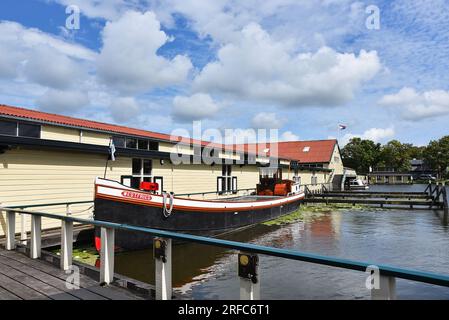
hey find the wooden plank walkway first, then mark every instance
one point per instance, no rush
(22, 278)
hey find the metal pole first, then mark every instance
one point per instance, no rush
(107, 255)
(23, 231)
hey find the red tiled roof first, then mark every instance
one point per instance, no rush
(318, 150)
(75, 122)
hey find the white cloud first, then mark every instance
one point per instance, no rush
(289, 136)
(46, 59)
(374, 134)
(196, 107)
(416, 106)
(123, 109)
(267, 120)
(128, 60)
(59, 101)
(110, 9)
(50, 68)
(257, 67)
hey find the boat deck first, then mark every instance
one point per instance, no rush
(22, 278)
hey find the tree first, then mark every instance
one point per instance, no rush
(437, 155)
(396, 155)
(361, 154)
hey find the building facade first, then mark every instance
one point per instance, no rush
(47, 158)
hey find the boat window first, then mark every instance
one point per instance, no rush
(29, 130)
(8, 128)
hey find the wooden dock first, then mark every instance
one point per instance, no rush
(433, 197)
(23, 278)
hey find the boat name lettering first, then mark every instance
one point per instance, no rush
(135, 195)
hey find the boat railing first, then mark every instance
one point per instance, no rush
(230, 192)
(381, 279)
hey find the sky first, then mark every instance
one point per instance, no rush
(302, 67)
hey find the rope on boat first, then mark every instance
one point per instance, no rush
(167, 211)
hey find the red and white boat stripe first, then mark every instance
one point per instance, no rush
(107, 189)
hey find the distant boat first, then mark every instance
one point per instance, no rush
(358, 184)
(115, 202)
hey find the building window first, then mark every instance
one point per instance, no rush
(314, 180)
(134, 143)
(141, 171)
(142, 144)
(8, 128)
(336, 159)
(226, 183)
(20, 129)
(399, 178)
(119, 141)
(131, 143)
(29, 130)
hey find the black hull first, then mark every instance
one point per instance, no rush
(192, 222)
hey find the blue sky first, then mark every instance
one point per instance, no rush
(302, 67)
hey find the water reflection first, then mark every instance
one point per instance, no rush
(406, 238)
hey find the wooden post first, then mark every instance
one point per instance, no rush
(163, 259)
(66, 244)
(23, 230)
(10, 230)
(35, 247)
(107, 256)
(387, 289)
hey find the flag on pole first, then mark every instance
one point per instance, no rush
(342, 126)
(112, 150)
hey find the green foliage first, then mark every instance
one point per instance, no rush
(437, 155)
(360, 154)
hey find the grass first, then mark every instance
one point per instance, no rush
(306, 212)
(85, 255)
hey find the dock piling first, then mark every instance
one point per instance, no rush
(35, 246)
(248, 268)
(66, 244)
(386, 290)
(163, 258)
(10, 230)
(107, 255)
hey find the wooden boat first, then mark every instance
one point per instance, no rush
(118, 203)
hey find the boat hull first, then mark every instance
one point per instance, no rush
(206, 220)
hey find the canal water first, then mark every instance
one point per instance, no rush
(417, 239)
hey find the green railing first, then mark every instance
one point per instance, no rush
(250, 288)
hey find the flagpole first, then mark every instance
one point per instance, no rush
(107, 160)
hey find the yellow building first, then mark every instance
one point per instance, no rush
(47, 158)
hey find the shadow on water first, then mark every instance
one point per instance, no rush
(189, 259)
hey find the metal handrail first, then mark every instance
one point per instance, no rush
(384, 270)
(210, 192)
(49, 204)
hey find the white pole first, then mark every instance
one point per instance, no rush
(164, 272)
(66, 244)
(107, 256)
(249, 290)
(387, 289)
(23, 231)
(35, 248)
(11, 230)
